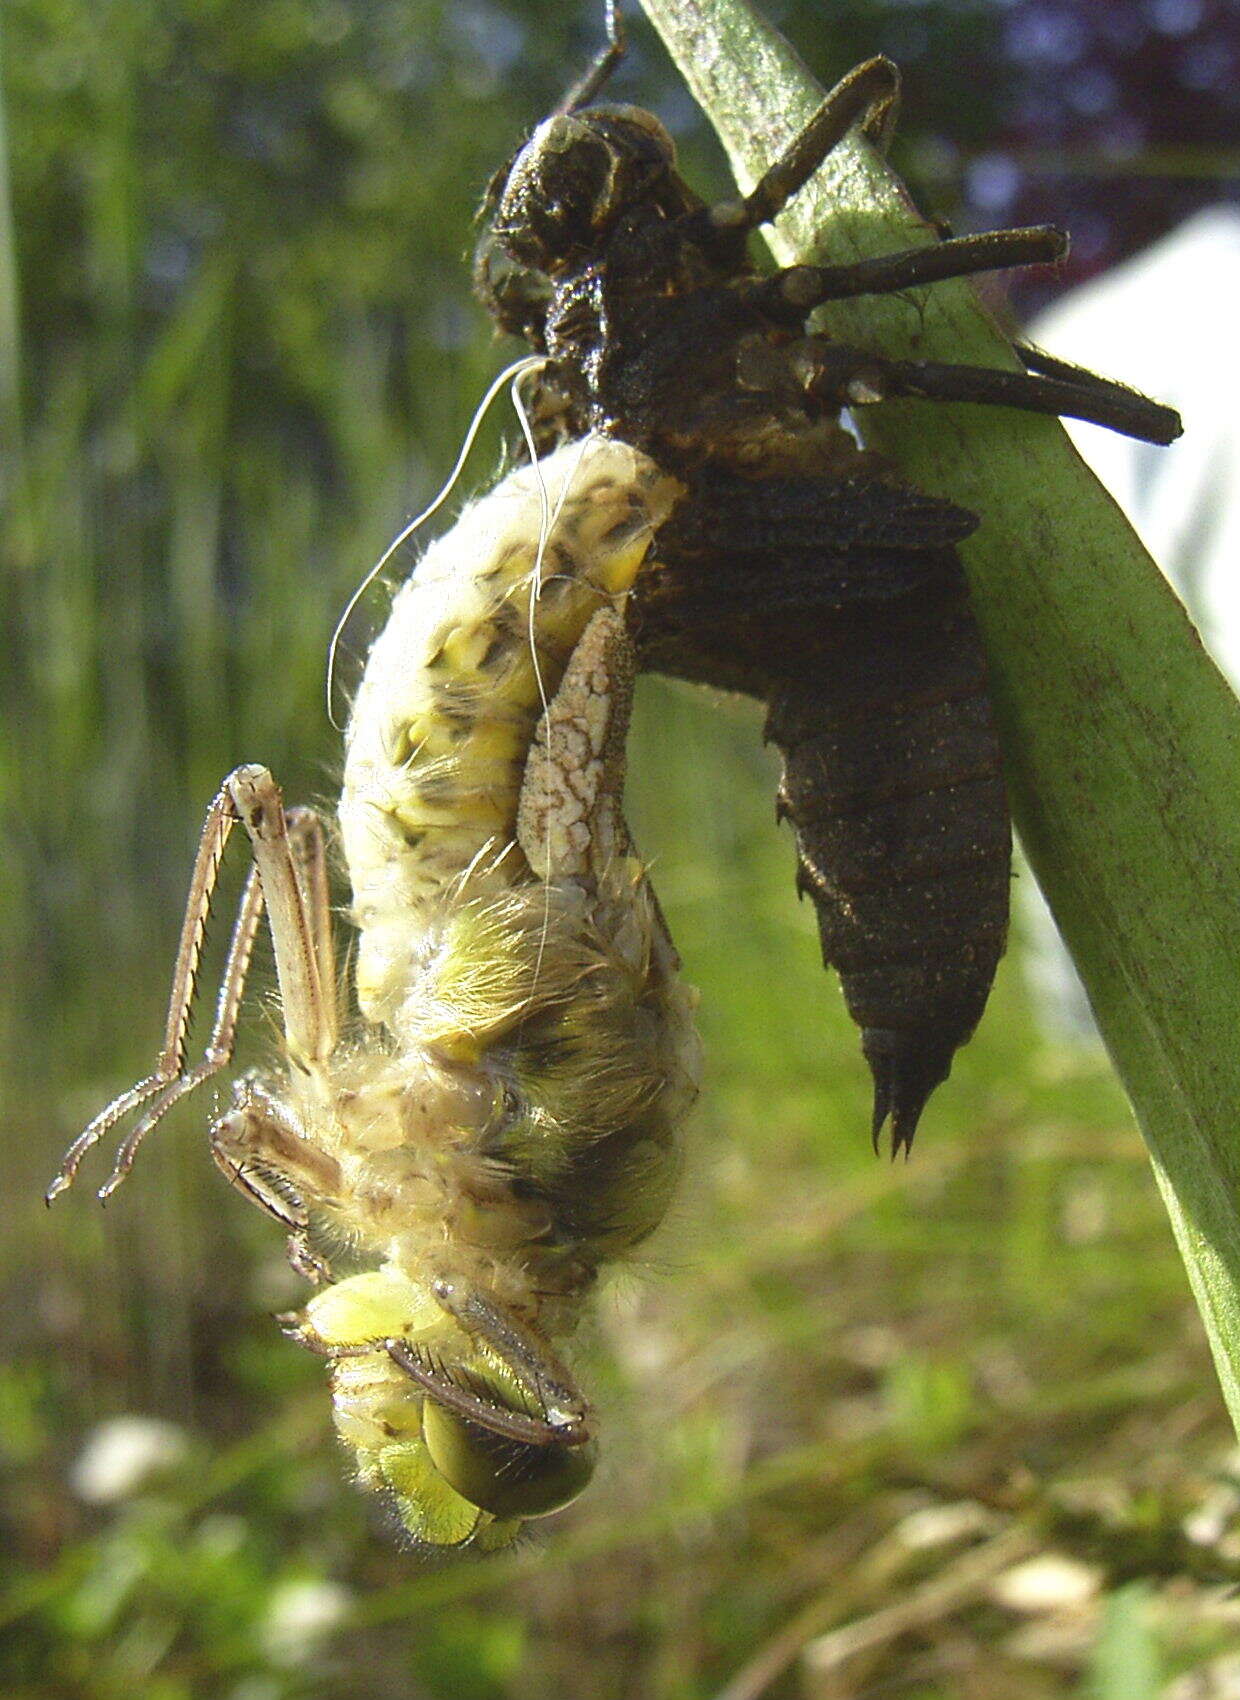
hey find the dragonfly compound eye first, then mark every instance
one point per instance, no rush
(508, 1478)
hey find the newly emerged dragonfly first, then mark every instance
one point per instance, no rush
(795, 566)
(502, 1119)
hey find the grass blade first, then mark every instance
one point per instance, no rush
(10, 322)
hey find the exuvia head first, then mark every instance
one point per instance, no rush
(575, 178)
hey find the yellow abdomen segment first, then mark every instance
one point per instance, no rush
(453, 688)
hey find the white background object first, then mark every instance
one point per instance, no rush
(1168, 323)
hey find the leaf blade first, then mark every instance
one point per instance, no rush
(1121, 737)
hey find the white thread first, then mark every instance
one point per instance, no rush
(518, 369)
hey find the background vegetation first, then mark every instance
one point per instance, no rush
(940, 1429)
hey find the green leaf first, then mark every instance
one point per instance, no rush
(1121, 738)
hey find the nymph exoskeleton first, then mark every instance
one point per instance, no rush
(502, 1120)
(796, 566)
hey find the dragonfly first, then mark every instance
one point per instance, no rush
(500, 1119)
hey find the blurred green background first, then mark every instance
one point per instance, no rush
(963, 1404)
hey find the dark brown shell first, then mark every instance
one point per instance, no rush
(842, 604)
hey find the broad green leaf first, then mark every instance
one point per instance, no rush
(1121, 738)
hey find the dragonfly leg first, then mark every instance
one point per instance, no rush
(288, 879)
(836, 376)
(260, 1149)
